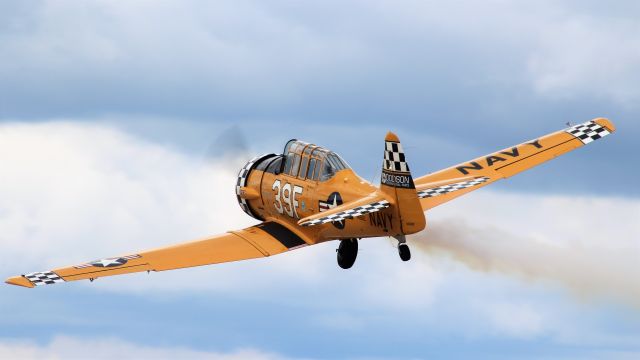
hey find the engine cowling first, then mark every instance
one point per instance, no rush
(244, 193)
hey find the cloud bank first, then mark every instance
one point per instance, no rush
(68, 347)
(76, 192)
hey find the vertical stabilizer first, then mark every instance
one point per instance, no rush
(397, 183)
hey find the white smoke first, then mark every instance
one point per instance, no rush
(591, 245)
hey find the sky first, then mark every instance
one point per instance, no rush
(122, 127)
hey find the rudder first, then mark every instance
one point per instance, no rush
(396, 182)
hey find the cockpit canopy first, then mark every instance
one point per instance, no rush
(306, 161)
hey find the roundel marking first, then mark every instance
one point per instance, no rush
(332, 201)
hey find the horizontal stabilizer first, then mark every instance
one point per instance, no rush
(369, 204)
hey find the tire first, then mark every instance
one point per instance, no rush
(404, 252)
(347, 253)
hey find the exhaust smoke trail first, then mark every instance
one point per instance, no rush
(586, 271)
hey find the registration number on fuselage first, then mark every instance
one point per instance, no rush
(286, 198)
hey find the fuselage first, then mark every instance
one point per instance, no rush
(304, 181)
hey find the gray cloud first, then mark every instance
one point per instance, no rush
(409, 62)
(474, 76)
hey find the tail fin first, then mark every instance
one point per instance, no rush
(397, 183)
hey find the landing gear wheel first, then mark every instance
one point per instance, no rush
(404, 252)
(347, 253)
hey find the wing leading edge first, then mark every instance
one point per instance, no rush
(447, 184)
(266, 239)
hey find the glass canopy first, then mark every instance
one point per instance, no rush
(308, 161)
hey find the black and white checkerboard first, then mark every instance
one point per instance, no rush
(349, 214)
(44, 278)
(242, 181)
(451, 187)
(394, 159)
(588, 132)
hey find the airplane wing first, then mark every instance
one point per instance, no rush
(444, 185)
(268, 238)
(368, 204)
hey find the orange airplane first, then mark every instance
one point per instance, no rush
(309, 195)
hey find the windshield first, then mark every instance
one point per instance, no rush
(331, 165)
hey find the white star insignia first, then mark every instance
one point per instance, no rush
(108, 262)
(335, 203)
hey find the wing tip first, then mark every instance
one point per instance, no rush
(19, 281)
(606, 123)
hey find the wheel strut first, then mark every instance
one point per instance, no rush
(403, 248)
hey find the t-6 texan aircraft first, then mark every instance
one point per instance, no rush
(309, 195)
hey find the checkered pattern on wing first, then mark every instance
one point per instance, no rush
(588, 131)
(394, 159)
(44, 278)
(349, 214)
(451, 187)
